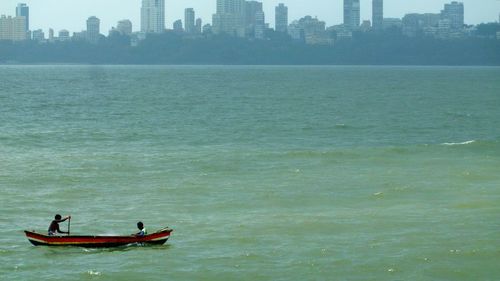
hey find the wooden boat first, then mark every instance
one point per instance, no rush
(157, 238)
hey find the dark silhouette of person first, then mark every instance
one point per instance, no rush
(142, 229)
(54, 225)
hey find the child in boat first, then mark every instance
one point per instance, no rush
(142, 229)
(54, 225)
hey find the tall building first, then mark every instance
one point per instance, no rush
(153, 16)
(124, 27)
(22, 10)
(189, 22)
(378, 14)
(177, 26)
(229, 18)
(93, 30)
(260, 25)
(13, 29)
(253, 13)
(281, 18)
(51, 34)
(454, 12)
(251, 9)
(352, 15)
(198, 26)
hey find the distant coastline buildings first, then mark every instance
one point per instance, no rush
(22, 10)
(378, 14)
(247, 19)
(153, 16)
(352, 13)
(93, 30)
(189, 20)
(124, 27)
(281, 18)
(12, 28)
(229, 18)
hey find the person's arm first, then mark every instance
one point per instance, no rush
(58, 230)
(65, 219)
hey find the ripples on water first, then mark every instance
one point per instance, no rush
(267, 173)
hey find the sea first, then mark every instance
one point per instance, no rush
(264, 172)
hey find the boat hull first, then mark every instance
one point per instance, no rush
(157, 238)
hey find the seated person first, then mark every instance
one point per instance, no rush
(54, 225)
(142, 229)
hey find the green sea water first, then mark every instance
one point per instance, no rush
(264, 173)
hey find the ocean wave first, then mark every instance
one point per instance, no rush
(459, 143)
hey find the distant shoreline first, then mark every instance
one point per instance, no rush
(170, 49)
(256, 65)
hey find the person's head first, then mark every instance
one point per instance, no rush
(140, 225)
(58, 217)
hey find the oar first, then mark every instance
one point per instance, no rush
(69, 226)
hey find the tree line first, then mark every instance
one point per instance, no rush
(367, 48)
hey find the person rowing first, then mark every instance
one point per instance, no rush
(54, 225)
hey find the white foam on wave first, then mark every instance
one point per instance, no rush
(459, 143)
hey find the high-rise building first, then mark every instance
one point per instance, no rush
(251, 9)
(189, 22)
(260, 25)
(281, 18)
(177, 26)
(13, 29)
(51, 34)
(199, 24)
(229, 18)
(22, 10)
(352, 15)
(93, 30)
(253, 13)
(378, 14)
(124, 27)
(153, 16)
(454, 12)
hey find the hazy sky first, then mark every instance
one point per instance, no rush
(72, 14)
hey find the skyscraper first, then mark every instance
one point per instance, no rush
(230, 17)
(189, 24)
(377, 14)
(352, 15)
(260, 25)
(153, 16)
(252, 15)
(22, 10)
(198, 26)
(93, 30)
(454, 12)
(281, 18)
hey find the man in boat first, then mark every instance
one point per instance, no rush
(142, 229)
(54, 225)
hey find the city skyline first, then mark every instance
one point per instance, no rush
(66, 16)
